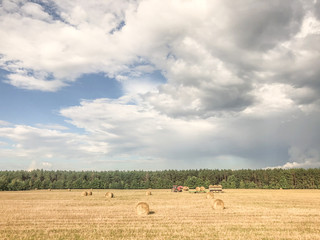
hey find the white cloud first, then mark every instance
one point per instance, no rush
(10, 6)
(39, 165)
(33, 83)
(33, 165)
(271, 99)
(29, 142)
(137, 130)
(127, 133)
(35, 11)
(56, 48)
(134, 86)
(154, 34)
(132, 127)
(303, 155)
(242, 79)
(302, 158)
(3, 143)
(51, 126)
(306, 164)
(4, 123)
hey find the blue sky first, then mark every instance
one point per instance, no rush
(105, 85)
(21, 106)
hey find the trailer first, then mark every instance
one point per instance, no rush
(215, 188)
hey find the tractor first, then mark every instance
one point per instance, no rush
(176, 188)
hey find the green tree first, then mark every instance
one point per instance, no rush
(251, 185)
(192, 182)
(3, 183)
(232, 182)
(283, 182)
(242, 185)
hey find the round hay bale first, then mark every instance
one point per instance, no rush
(36, 189)
(185, 188)
(148, 193)
(69, 189)
(217, 204)
(90, 193)
(210, 195)
(197, 189)
(142, 208)
(49, 189)
(84, 193)
(202, 189)
(109, 195)
(211, 186)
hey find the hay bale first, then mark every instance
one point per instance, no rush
(49, 189)
(84, 193)
(202, 189)
(109, 195)
(185, 188)
(197, 189)
(36, 189)
(210, 195)
(148, 193)
(69, 189)
(90, 193)
(217, 204)
(142, 208)
(211, 186)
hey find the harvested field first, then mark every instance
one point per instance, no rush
(248, 214)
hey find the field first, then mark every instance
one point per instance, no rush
(248, 214)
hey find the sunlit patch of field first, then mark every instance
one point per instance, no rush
(249, 214)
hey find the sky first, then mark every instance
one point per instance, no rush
(153, 85)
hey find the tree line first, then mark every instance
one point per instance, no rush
(245, 178)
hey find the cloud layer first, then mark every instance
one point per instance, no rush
(242, 82)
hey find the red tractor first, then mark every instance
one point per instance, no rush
(176, 188)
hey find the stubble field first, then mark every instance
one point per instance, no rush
(248, 214)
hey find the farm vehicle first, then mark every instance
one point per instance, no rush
(176, 188)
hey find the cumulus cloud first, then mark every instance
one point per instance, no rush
(30, 142)
(35, 11)
(302, 158)
(128, 133)
(241, 79)
(65, 47)
(33, 83)
(42, 165)
(51, 126)
(132, 127)
(4, 123)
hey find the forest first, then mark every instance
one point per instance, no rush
(245, 178)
